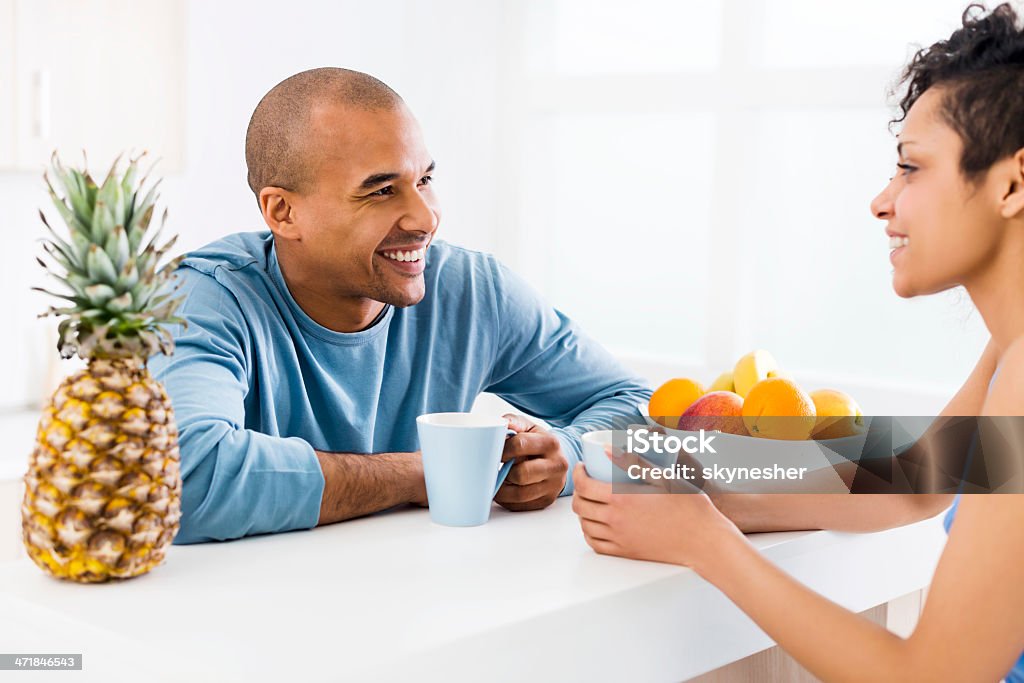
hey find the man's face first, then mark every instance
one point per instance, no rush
(369, 204)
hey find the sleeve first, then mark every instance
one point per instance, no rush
(235, 481)
(547, 367)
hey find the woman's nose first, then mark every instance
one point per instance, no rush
(882, 205)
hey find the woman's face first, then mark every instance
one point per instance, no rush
(943, 230)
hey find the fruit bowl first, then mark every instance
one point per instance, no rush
(818, 456)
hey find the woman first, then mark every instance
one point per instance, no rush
(954, 212)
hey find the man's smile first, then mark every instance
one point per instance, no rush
(405, 261)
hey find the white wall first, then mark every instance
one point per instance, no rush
(440, 56)
(693, 181)
(622, 155)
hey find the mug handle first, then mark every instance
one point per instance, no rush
(503, 472)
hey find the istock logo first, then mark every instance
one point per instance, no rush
(645, 441)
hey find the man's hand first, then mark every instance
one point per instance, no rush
(539, 473)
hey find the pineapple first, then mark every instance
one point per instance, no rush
(103, 488)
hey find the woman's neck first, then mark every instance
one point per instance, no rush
(998, 292)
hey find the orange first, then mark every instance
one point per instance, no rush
(777, 408)
(673, 398)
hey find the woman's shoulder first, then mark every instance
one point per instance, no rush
(1006, 393)
(1014, 353)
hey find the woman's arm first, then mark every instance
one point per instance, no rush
(859, 512)
(972, 628)
(856, 512)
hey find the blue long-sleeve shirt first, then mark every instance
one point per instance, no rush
(257, 384)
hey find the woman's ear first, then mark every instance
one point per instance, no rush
(277, 205)
(1012, 205)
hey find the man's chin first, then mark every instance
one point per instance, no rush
(406, 303)
(404, 299)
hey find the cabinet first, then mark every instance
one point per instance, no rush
(101, 75)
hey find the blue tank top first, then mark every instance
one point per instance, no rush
(1016, 674)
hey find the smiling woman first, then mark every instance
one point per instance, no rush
(955, 216)
(931, 198)
(960, 122)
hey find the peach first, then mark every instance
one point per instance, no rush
(715, 411)
(838, 415)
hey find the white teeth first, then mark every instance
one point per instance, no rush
(896, 241)
(406, 256)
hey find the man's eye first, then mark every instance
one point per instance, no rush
(382, 192)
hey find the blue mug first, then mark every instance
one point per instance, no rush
(461, 458)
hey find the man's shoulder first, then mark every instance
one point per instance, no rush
(223, 273)
(452, 255)
(462, 272)
(451, 264)
(231, 253)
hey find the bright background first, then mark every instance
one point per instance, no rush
(689, 180)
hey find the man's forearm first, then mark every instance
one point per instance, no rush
(839, 512)
(356, 485)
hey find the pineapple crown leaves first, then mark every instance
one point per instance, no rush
(119, 295)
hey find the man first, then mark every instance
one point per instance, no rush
(310, 350)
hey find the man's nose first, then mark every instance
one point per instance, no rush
(421, 213)
(882, 206)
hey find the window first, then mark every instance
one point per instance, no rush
(693, 181)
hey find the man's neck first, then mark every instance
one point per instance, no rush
(338, 314)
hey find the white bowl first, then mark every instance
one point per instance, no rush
(820, 456)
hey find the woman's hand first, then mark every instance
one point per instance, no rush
(667, 523)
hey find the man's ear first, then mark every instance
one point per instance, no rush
(1012, 205)
(278, 210)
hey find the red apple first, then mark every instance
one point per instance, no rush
(715, 411)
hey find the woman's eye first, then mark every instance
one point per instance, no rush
(427, 179)
(906, 168)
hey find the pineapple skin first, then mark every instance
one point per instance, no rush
(103, 489)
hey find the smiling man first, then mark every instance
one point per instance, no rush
(311, 349)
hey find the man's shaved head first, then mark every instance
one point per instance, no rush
(277, 152)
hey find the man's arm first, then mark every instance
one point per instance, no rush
(546, 366)
(237, 481)
(357, 485)
(857, 512)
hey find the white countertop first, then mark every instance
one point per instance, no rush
(394, 597)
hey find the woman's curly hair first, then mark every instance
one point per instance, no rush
(980, 68)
